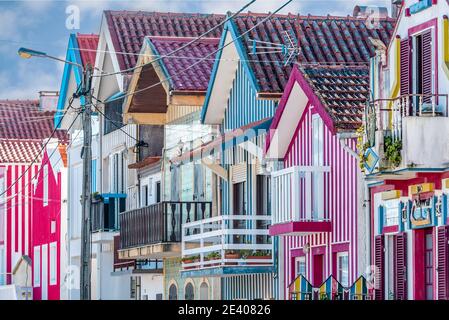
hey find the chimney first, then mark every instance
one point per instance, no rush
(48, 100)
(373, 12)
(395, 8)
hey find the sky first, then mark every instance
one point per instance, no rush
(45, 25)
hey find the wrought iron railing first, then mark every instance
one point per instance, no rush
(159, 222)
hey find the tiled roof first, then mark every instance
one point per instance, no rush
(128, 29)
(322, 39)
(19, 151)
(87, 44)
(22, 119)
(342, 90)
(197, 77)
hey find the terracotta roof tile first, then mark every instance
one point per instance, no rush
(342, 90)
(22, 119)
(322, 40)
(128, 29)
(197, 77)
(19, 151)
(88, 44)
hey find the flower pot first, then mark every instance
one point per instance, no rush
(232, 256)
(259, 258)
(212, 264)
(188, 262)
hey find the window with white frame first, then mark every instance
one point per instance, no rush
(45, 195)
(300, 266)
(116, 173)
(37, 266)
(144, 196)
(391, 212)
(53, 261)
(343, 268)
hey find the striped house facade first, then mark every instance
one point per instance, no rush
(15, 216)
(340, 201)
(244, 109)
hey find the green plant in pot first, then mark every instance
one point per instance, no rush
(232, 254)
(259, 255)
(392, 151)
(213, 256)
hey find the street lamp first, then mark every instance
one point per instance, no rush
(28, 53)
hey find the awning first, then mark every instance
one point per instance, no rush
(226, 141)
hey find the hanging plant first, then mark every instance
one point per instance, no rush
(361, 146)
(392, 150)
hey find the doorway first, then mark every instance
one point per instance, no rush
(424, 264)
(318, 269)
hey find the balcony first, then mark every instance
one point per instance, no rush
(227, 244)
(405, 133)
(298, 201)
(154, 232)
(104, 217)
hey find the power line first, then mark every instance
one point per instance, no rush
(42, 149)
(48, 160)
(207, 56)
(185, 45)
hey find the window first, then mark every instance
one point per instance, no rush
(342, 268)
(318, 160)
(189, 292)
(422, 64)
(240, 198)
(263, 195)
(53, 261)
(116, 172)
(144, 196)
(300, 266)
(173, 292)
(135, 291)
(158, 192)
(37, 266)
(2, 266)
(45, 195)
(428, 265)
(391, 212)
(113, 116)
(204, 291)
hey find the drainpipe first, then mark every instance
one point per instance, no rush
(342, 137)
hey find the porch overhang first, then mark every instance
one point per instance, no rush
(152, 251)
(300, 228)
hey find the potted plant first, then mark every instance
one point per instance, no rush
(259, 255)
(189, 260)
(232, 254)
(211, 257)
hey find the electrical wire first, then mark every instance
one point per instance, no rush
(207, 56)
(41, 150)
(183, 46)
(37, 173)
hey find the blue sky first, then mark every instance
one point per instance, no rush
(41, 25)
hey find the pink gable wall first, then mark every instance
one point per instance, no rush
(41, 226)
(340, 199)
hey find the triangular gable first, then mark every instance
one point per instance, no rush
(298, 95)
(72, 55)
(223, 74)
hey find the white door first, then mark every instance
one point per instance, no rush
(44, 280)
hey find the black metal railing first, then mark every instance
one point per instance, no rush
(159, 222)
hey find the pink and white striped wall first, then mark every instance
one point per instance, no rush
(340, 202)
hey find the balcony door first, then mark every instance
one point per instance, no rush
(318, 269)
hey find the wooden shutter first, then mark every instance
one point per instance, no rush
(426, 49)
(400, 267)
(239, 173)
(443, 263)
(405, 66)
(379, 257)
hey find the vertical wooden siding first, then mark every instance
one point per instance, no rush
(340, 195)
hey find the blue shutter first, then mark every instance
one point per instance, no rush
(381, 216)
(94, 176)
(400, 222)
(444, 210)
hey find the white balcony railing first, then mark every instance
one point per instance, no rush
(227, 240)
(391, 112)
(298, 194)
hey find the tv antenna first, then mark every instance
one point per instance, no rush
(289, 49)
